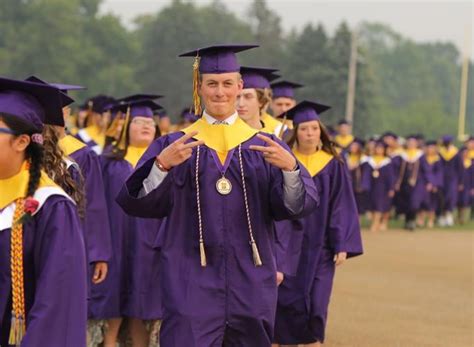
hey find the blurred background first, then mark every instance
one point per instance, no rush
(408, 64)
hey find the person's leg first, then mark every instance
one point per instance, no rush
(431, 219)
(420, 219)
(410, 220)
(461, 215)
(138, 332)
(111, 332)
(384, 222)
(315, 344)
(375, 226)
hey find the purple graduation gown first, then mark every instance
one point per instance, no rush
(288, 240)
(412, 195)
(360, 178)
(397, 162)
(467, 185)
(432, 201)
(451, 179)
(55, 278)
(333, 227)
(144, 292)
(379, 200)
(132, 285)
(230, 301)
(96, 222)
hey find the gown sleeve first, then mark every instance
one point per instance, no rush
(97, 229)
(343, 224)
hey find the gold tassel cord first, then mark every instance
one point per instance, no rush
(196, 98)
(282, 130)
(122, 141)
(256, 255)
(18, 325)
(202, 250)
(112, 129)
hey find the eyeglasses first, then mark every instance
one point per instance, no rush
(143, 122)
(6, 131)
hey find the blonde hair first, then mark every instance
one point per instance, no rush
(264, 96)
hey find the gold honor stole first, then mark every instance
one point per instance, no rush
(344, 141)
(315, 162)
(16, 186)
(221, 137)
(69, 145)
(431, 159)
(134, 154)
(96, 134)
(449, 153)
(270, 123)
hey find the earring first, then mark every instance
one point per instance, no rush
(320, 146)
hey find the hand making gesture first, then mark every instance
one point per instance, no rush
(178, 152)
(275, 154)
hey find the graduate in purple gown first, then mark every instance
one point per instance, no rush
(251, 103)
(132, 286)
(283, 98)
(433, 199)
(466, 182)
(93, 135)
(451, 179)
(221, 186)
(355, 160)
(42, 262)
(394, 151)
(414, 182)
(82, 165)
(344, 135)
(382, 186)
(331, 233)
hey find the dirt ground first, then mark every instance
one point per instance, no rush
(409, 289)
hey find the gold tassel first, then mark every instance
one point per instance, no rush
(122, 141)
(196, 98)
(256, 255)
(112, 129)
(282, 130)
(203, 253)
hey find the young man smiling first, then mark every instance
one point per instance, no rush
(220, 185)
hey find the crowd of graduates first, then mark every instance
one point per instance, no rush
(162, 242)
(427, 182)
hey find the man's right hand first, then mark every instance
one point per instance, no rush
(178, 152)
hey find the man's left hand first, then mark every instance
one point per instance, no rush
(275, 154)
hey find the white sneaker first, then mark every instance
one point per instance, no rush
(449, 219)
(442, 221)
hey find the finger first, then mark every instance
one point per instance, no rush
(335, 258)
(186, 137)
(193, 144)
(262, 149)
(267, 140)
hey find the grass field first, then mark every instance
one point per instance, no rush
(408, 289)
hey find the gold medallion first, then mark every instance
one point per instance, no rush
(223, 186)
(375, 174)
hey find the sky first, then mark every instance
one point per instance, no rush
(422, 21)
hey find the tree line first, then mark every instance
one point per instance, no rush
(401, 85)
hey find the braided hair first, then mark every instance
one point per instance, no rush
(34, 152)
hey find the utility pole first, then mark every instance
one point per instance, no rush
(351, 82)
(463, 95)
